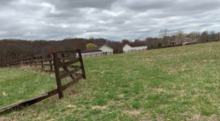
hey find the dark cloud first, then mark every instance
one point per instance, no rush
(111, 19)
(72, 4)
(143, 5)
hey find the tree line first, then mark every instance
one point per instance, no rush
(11, 49)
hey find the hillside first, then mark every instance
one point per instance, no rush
(179, 83)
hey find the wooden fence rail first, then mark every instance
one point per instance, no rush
(53, 61)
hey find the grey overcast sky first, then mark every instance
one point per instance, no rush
(110, 19)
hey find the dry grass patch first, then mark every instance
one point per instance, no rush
(148, 59)
(159, 90)
(121, 95)
(26, 68)
(133, 113)
(100, 107)
(199, 117)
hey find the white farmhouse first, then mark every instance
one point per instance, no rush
(97, 51)
(134, 47)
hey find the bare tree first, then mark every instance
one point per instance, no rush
(212, 35)
(193, 36)
(198, 36)
(180, 36)
(204, 36)
(165, 34)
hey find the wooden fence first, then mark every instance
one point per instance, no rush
(51, 62)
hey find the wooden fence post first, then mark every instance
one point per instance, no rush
(41, 57)
(51, 67)
(21, 63)
(57, 73)
(30, 61)
(35, 63)
(81, 62)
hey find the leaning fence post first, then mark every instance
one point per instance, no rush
(81, 62)
(57, 73)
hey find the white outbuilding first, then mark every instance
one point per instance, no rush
(134, 47)
(97, 51)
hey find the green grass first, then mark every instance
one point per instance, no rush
(180, 83)
(21, 84)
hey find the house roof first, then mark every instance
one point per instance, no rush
(92, 49)
(51, 50)
(174, 41)
(137, 44)
(95, 49)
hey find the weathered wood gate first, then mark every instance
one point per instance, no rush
(55, 61)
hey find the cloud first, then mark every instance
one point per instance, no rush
(110, 19)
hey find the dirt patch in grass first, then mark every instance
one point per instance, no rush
(4, 119)
(100, 107)
(26, 68)
(133, 113)
(199, 117)
(71, 106)
(148, 59)
(159, 90)
(121, 95)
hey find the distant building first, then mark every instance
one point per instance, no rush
(97, 51)
(51, 50)
(134, 47)
(173, 42)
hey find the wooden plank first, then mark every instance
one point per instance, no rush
(70, 51)
(73, 66)
(69, 73)
(43, 54)
(16, 63)
(41, 57)
(65, 67)
(81, 62)
(72, 82)
(32, 101)
(57, 73)
(68, 63)
(67, 58)
(28, 57)
(26, 61)
(38, 64)
(50, 64)
(28, 102)
(45, 59)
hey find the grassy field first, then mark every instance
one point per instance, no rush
(180, 83)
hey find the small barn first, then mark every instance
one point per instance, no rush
(97, 51)
(134, 47)
(173, 42)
